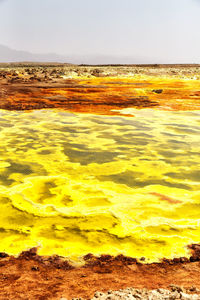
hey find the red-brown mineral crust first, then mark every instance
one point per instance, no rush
(30, 276)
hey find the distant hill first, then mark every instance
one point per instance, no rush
(11, 55)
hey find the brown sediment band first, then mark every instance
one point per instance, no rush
(31, 276)
(100, 95)
(102, 260)
(77, 99)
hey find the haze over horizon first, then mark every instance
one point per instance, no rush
(90, 31)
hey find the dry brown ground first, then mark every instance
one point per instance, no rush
(34, 277)
(95, 92)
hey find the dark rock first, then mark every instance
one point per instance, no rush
(35, 268)
(3, 255)
(157, 91)
(142, 259)
(96, 73)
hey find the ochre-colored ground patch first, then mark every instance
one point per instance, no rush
(33, 277)
(103, 95)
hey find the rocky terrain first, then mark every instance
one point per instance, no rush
(159, 294)
(30, 276)
(99, 89)
(54, 72)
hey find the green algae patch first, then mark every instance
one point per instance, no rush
(75, 184)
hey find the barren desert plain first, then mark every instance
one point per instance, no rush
(99, 181)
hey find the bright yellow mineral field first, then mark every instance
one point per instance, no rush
(74, 184)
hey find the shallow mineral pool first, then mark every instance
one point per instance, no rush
(75, 184)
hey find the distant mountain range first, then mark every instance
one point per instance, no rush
(11, 55)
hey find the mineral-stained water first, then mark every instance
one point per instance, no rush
(75, 184)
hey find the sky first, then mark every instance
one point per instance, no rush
(146, 31)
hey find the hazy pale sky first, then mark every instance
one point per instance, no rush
(155, 30)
